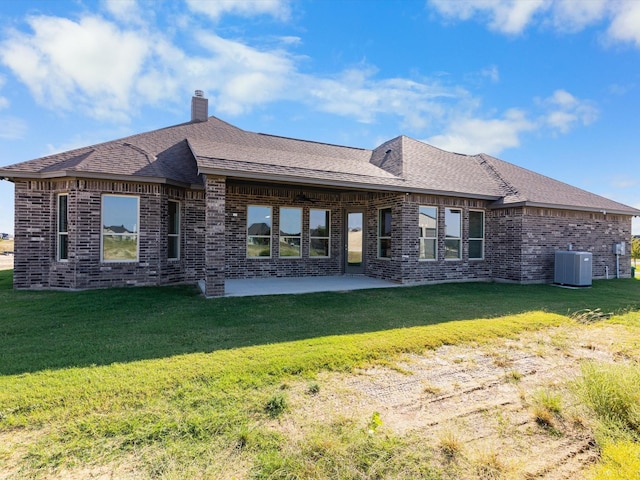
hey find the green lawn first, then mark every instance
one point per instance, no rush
(176, 385)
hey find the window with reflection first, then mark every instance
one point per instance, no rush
(428, 232)
(384, 233)
(258, 231)
(319, 232)
(453, 233)
(120, 218)
(173, 240)
(290, 232)
(63, 227)
(476, 235)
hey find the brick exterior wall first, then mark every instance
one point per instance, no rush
(215, 236)
(520, 242)
(525, 240)
(36, 265)
(240, 196)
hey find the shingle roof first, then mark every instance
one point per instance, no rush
(179, 154)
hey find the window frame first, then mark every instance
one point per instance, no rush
(289, 237)
(176, 235)
(422, 237)
(381, 237)
(60, 234)
(477, 239)
(316, 237)
(136, 233)
(448, 238)
(270, 236)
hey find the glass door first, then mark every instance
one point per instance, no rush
(354, 243)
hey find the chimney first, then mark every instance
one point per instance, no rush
(199, 107)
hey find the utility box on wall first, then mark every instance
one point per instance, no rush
(573, 269)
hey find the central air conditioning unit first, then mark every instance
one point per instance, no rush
(573, 268)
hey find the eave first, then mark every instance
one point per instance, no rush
(342, 185)
(12, 175)
(633, 212)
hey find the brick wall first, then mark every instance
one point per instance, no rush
(520, 242)
(215, 235)
(525, 240)
(405, 265)
(36, 265)
(238, 265)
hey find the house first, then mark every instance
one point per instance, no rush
(207, 201)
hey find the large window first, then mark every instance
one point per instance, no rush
(290, 232)
(428, 226)
(384, 233)
(63, 227)
(120, 217)
(258, 231)
(476, 235)
(453, 233)
(319, 233)
(173, 240)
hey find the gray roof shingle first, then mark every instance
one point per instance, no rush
(179, 154)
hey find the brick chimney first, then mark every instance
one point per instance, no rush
(199, 107)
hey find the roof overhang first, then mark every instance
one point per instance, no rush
(71, 174)
(632, 212)
(336, 184)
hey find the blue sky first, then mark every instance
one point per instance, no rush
(550, 85)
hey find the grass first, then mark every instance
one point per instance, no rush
(182, 387)
(612, 392)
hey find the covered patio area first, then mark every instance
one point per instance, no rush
(293, 285)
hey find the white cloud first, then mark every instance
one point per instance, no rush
(12, 128)
(564, 111)
(625, 26)
(357, 94)
(241, 76)
(126, 11)
(514, 16)
(491, 73)
(574, 16)
(4, 101)
(90, 63)
(506, 16)
(474, 135)
(214, 9)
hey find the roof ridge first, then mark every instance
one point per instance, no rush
(491, 170)
(310, 141)
(150, 157)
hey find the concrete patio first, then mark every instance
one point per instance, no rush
(280, 286)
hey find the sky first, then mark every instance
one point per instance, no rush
(549, 85)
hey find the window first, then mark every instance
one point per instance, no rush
(476, 235)
(258, 231)
(63, 227)
(120, 216)
(290, 232)
(173, 240)
(319, 233)
(428, 232)
(384, 233)
(452, 233)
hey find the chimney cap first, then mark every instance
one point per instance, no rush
(198, 93)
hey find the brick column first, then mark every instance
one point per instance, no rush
(214, 241)
(34, 235)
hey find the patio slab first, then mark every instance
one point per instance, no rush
(280, 286)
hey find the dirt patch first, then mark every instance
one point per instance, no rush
(479, 400)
